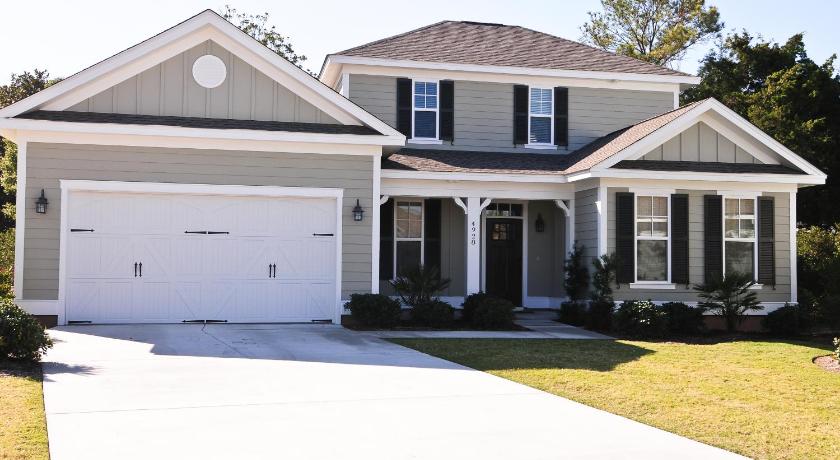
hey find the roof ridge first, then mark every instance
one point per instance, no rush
(418, 29)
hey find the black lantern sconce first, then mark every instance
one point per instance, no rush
(358, 212)
(539, 224)
(41, 204)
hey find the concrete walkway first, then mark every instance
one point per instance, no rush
(542, 325)
(309, 392)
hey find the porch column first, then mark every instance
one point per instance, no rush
(472, 209)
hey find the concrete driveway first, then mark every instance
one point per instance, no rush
(309, 392)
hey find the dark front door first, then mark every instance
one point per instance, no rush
(504, 259)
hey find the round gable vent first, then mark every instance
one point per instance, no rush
(209, 71)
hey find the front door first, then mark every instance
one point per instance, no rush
(503, 269)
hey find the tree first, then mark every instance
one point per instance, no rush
(20, 87)
(791, 98)
(576, 281)
(656, 31)
(256, 25)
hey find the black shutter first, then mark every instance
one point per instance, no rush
(404, 106)
(712, 237)
(386, 240)
(679, 239)
(625, 236)
(520, 114)
(431, 234)
(561, 116)
(766, 241)
(447, 110)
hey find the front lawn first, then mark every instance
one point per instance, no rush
(762, 399)
(23, 428)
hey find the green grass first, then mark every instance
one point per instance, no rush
(762, 399)
(23, 427)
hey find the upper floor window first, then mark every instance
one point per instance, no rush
(652, 238)
(541, 116)
(739, 236)
(425, 123)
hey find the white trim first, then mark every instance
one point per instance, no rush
(383, 199)
(425, 140)
(39, 307)
(753, 240)
(694, 176)
(538, 146)
(458, 201)
(344, 90)
(653, 191)
(197, 189)
(525, 226)
(652, 285)
(422, 140)
(20, 218)
(601, 206)
(337, 60)
(794, 278)
(422, 239)
(740, 194)
(637, 238)
(485, 177)
(376, 202)
(676, 98)
(550, 143)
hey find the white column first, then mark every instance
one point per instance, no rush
(601, 205)
(374, 222)
(20, 221)
(473, 244)
(794, 296)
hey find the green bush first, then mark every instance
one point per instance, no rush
(433, 313)
(787, 321)
(471, 303)
(576, 280)
(493, 313)
(374, 310)
(730, 297)
(683, 319)
(573, 312)
(599, 315)
(7, 263)
(22, 337)
(640, 318)
(419, 285)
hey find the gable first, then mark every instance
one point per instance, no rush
(700, 143)
(170, 89)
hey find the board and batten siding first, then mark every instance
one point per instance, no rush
(700, 143)
(484, 111)
(169, 89)
(779, 293)
(46, 164)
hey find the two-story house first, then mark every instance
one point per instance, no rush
(200, 176)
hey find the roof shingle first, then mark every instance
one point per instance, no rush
(466, 42)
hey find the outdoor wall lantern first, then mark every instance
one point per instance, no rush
(539, 225)
(41, 204)
(358, 212)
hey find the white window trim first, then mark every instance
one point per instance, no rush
(754, 240)
(637, 284)
(422, 238)
(541, 145)
(425, 140)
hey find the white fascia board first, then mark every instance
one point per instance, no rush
(199, 189)
(716, 177)
(22, 124)
(479, 177)
(733, 184)
(328, 74)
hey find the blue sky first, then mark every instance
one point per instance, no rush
(65, 37)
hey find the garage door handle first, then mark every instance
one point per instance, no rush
(141, 269)
(217, 233)
(199, 232)
(322, 234)
(135, 269)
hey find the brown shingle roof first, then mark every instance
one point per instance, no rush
(466, 42)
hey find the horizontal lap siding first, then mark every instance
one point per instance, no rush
(377, 95)
(586, 224)
(48, 163)
(781, 293)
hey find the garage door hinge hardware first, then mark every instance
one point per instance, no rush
(81, 230)
(206, 232)
(204, 321)
(322, 234)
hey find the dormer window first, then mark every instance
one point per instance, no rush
(541, 116)
(425, 113)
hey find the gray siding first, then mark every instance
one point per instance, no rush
(781, 292)
(700, 143)
(586, 223)
(546, 250)
(484, 111)
(169, 89)
(48, 163)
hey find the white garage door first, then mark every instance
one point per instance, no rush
(135, 258)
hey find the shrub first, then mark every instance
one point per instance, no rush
(7, 263)
(493, 313)
(471, 303)
(434, 313)
(374, 310)
(640, 318)
(786, 321)
(419, 285)
(576, 281)
(837, 348)
(22, 337)
(818, 249)
(683, 319)
(729, 297)
(599, 315)
(573, 312)
(604, 277)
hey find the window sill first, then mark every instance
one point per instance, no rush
(424, 141)
(652, 286)
(540, 146)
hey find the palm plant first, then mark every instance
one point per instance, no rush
(729, 297)
(419, 285)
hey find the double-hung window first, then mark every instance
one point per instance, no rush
(739, 235)
(408, 235)
(652, 244)
(541, 116)
(425, 122)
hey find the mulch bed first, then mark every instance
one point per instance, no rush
(828, 363)
(407, 326)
